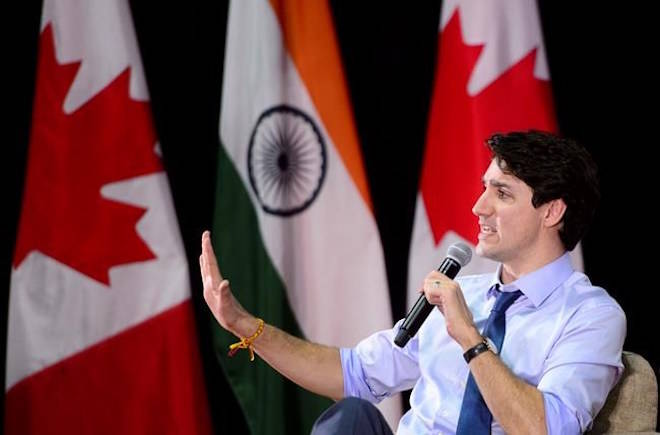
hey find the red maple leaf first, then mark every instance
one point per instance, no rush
(455, 156)
(70, 158)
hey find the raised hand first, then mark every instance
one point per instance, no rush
(217, 293)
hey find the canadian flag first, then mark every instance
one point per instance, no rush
(101, 335)
(491, 76)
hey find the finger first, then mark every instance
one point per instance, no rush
(210, 261)
(210, 258)
(437, 301)
(432, 285)
(210, 295)
(207, 271)
(209, 285)
(435, 275)
(203, 265)
(216, 289)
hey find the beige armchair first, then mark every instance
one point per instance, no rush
(632, 406)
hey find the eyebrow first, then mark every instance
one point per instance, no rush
(496, 183)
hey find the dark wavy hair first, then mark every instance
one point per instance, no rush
(554, 167)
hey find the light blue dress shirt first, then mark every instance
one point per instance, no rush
(563, 335)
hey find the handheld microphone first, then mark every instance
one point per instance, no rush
(458, 255)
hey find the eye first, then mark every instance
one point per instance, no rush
(502, 194)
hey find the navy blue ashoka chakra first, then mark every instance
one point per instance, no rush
(286, 160)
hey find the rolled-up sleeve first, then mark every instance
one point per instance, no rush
(582, 368)
(377, 368)
(558, 418)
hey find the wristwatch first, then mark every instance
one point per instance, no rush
(482, 347)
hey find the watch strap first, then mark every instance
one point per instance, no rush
(476, 350)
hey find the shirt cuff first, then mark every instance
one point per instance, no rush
(558, 418)
(351, 367)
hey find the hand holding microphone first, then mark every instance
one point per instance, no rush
(458, 256)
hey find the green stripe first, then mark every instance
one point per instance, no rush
(271, 403)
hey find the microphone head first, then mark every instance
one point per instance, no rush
(460, 252)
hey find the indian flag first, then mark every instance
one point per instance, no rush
(294, 226)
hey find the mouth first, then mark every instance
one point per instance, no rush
(486, 230)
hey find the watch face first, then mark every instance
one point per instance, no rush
(492, 346)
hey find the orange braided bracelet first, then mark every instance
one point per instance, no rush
(246, 342)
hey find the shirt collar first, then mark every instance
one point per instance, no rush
(537, 285)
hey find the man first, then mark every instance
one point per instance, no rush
(534, 348)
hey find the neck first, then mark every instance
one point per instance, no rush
(514, 270)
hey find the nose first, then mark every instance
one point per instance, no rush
(481, 207)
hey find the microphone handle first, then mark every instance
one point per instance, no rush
(422, 308)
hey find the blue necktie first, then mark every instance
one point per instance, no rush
(475, 418)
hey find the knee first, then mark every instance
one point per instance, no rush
(350, 415)
(348, 407)
(355, 404)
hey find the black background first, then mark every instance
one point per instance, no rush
(600, 59)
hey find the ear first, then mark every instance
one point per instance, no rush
(554, 212)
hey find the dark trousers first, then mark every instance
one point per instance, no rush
(351, 416)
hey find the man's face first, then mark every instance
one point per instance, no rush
(509, 225)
